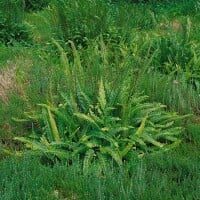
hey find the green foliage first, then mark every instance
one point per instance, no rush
(80, 20)
(12, 10)
(100, 127)
(28, 170)
(35, 5)
(102, 116)
(12, 28)
(172, 90)
(173, 175)
(12, 32)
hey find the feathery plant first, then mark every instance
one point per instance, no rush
(107, 123)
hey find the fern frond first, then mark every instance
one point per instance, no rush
(87, 118)
(77, 60)
(89, 155)
(32, 144)
(95, 117)
(118, 130)
(163, 126)
(83, 100)
(113, 153)
(169, 132)
(102, 95)
(53, 126)
(149, 139)
(106, 137)
(127, 148)
(63, 58)
(142, 126)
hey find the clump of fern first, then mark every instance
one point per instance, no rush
(98, 128)
(99, 117)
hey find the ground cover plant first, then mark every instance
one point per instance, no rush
(105, 95)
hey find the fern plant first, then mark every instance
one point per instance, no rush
(97, 129)
(99, 122)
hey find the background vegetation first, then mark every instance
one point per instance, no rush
(74, 81)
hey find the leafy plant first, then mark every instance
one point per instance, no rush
(101, 130)
(100, 116)
(12, 28)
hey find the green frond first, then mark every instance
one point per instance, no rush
(138, 140)
(87, 119)
(84, 138)
(139, 99)
(169, 132)
(83, 100)
(61, 145)
(77, 60)
(55, 111)
(102, 160)
(176, 118)
(63, 58)
(79, 150)
(89, 155)
(72, 134)
(171, 138)
(127, 148)
(53, 126)
(141, 127)
(107, 137)
(102, 95)
(113, 153)
(118, 130)
(20, 120)
(142, 108)
(96, 118)
(151, 140)
(162, 126)
(32, 144)
(91, 144)
(171, 146)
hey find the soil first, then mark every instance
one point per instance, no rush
(7, 82)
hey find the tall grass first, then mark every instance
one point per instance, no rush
(130, 45)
